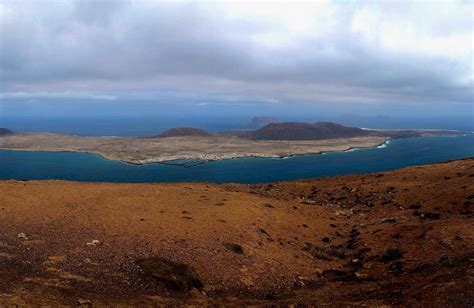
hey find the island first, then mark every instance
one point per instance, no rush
(274, 140)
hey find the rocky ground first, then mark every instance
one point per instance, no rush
(397, 238)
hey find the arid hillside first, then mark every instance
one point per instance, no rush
(306, 131)
(184, 131)
(5, 131)
(397, 238)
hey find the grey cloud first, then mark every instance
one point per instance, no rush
(189, 47)
(55, 95)
(98, 12)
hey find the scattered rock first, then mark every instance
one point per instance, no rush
(356, 262)
(94, 243)
(175, 276)
(323, 253)
(302, 281)
(22, 236)
(235, 248)
(197, 294)
(363, 253)
(392, 254)
(354, 232)
(337, 274)
(446, 260)
(268, 187)
(391, 189)
(82, 302)
(270, 296)
(396, 267)
(360, 276)
(390, 220)
(430, 216)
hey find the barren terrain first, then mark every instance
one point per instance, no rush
(403, 237)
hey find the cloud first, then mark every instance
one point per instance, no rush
(55, 95)
(313, 52)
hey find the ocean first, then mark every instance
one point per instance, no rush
(154, 125)
(24, 165)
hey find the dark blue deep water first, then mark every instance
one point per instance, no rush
(22, 165)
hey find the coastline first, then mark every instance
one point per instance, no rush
(147, 150)
(166, 160)
(135, 150)
(93, 168)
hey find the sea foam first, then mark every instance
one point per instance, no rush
(383, 145)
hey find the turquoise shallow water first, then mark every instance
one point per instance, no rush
(22, 165)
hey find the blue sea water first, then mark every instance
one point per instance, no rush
(22, 165)
(150, 125)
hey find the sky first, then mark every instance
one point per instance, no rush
(377, 58)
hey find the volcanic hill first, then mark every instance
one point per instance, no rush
(5, 131)
(262, 121)
(185, 131)
(305, 131)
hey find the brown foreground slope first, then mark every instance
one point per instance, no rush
(402, 237)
